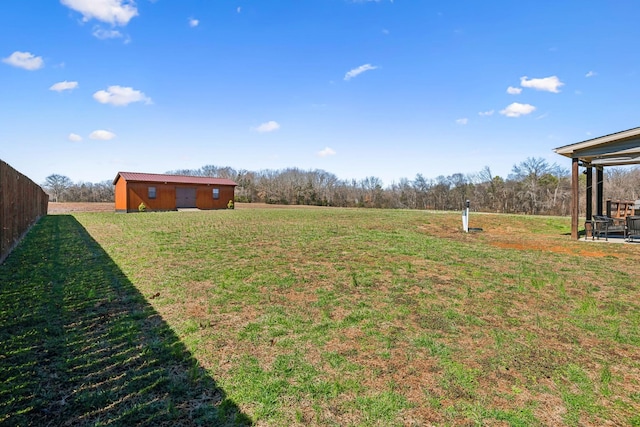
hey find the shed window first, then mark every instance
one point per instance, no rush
(216, 193)
(152, 192)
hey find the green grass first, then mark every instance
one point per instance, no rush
(79, 345)
(318, 317)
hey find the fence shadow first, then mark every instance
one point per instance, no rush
(79, 345)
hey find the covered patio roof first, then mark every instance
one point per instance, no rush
(616, 149)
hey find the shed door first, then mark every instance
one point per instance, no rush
(185, 197)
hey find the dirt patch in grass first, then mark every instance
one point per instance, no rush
(549, 248)
(511, 232)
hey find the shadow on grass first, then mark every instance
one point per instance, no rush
(79, 345)
(581, 233)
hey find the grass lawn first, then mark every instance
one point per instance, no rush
(317, 316)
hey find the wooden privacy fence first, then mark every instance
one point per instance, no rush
(22, 203)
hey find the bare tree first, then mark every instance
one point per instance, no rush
(622, 183)
(529, 174)
(56, 185)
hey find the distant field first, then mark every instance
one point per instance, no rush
(325, 316)
(69, 207)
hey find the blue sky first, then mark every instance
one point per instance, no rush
(357, 88)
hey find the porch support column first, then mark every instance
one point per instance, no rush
(599, 189)
(574, 198)
(589, 192)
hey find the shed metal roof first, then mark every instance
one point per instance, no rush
(616, 149)
(173, 179)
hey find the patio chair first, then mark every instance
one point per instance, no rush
(602, 224)
(633, 228)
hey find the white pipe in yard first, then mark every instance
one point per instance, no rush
(465, 220)
(465, 217)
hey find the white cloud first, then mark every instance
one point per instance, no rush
(120, 96)
(462, 121)
(114, 12)
(486, 113)
(514, 90)
(356, 71)
(102, 135)
(591, 74)
(269, 126)
(102, 34)
(65, 85)
(193, 22)
(74, 137)
(516, 110)
(547, 84)
(25, 60)
(326, 152)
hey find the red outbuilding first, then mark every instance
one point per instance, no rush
(158, 192)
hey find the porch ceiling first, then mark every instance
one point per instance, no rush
(618, 149)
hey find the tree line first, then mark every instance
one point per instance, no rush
(534, 186)
(61, 189)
